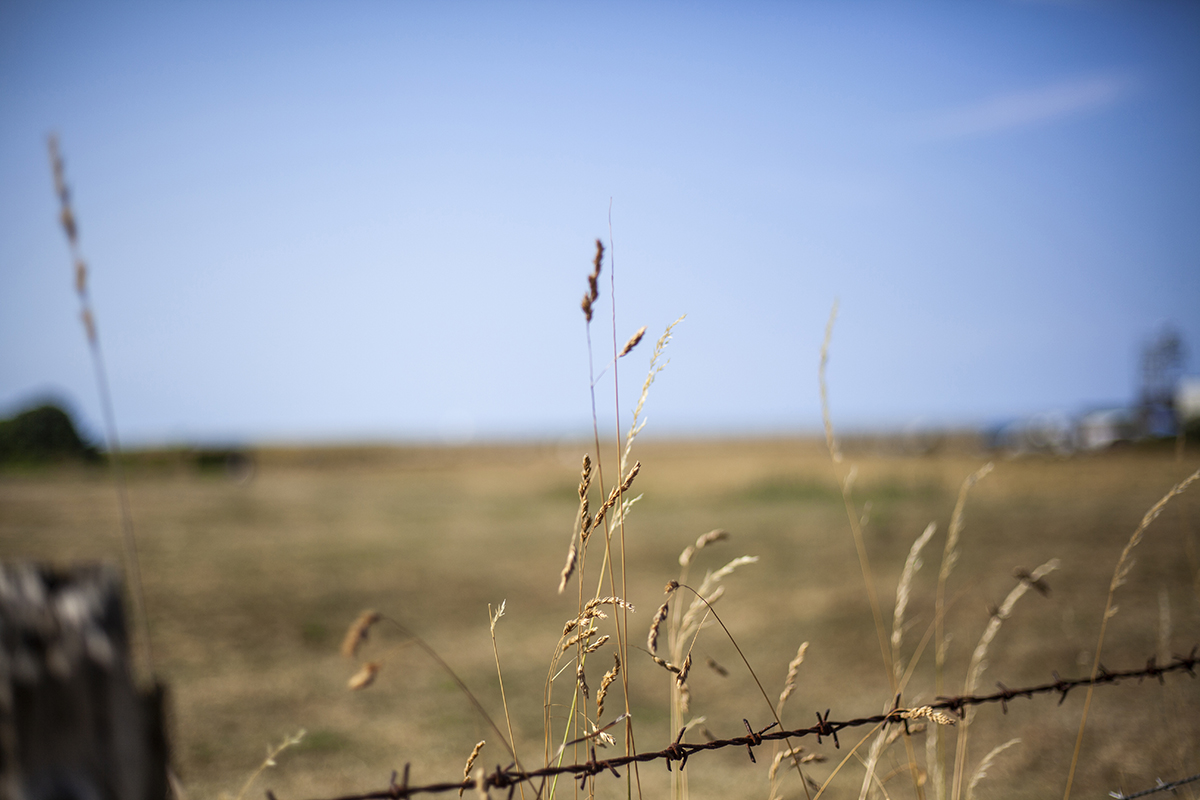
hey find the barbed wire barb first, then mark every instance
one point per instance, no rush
(1160, 787)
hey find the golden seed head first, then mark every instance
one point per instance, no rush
(652, 639)
(927, 712)
(684, 670)
(357, 633)
(712, 537)
(365, 676)
(633, 342)
(568, 568)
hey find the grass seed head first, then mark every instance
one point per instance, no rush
(633, 342)
(568, 568)
(681, 678)
(365, 676)
(471, 762)
(927, 712)
(357, 633)
(581, 678)
(593, 292)
(652, 638)
(605, 682)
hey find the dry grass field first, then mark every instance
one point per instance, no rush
(251, 586)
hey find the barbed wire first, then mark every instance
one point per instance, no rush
(1161, 787)
(680, 751)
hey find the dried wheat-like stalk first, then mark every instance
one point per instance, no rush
(949, 559)
(979, 662)
(272, 754)
(593, 292)
(928, 712)
(605, 682)
(583, 636)
(789, 683)
(615, 494)
(911, 565)
(358, 631)
(681, 678)
(712, 537)
(710, 591)
(978, 657)
(569, 568)
(471, 762)
(986, 764)
(596, 645)
(130, 556)
(1118, 578)
(659, 616)
(592, 605)
(638, 423)
(633, 342)
(830, 439)
(581, 679)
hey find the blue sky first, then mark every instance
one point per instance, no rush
(362, 220)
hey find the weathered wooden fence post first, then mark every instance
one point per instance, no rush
(73, 725)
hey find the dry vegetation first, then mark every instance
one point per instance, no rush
(251, 588)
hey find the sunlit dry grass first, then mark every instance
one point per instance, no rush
(250, 589)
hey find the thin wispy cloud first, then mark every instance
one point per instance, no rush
(1026, 109)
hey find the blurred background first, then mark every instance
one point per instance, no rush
(372, 221)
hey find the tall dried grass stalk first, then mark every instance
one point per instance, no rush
(912, 565)
(789, 687)
(789, 683)
(979, 661)
(272, 754)
(903, 589)
(835, 455)
(1119, 575)
(937, 773)
(133, 570)
(493, 618)
(605, 682)
(638, 422)
(984, 765)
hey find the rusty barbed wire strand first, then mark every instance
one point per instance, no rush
(1161, 787)
(680, 751)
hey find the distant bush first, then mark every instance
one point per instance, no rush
(43, 434)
